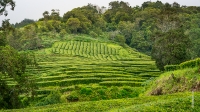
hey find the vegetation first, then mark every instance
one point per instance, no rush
(23, 23)
(98, 59)
(13, 67)
(167, 32)
(4, 4)
(176, 81)
(88, 70)
(173, 102)
(186, 64)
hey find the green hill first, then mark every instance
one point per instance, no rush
(175, 95)
(90, 70)
(91, 75)
(73, 65)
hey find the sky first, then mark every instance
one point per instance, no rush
(33, 9)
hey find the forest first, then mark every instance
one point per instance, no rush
(168, 33)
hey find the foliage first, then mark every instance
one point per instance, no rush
(176, 81)
(93, 34)
(74, 24)
(55, 15)
(126, 29)
(167, 32)
(171, 67)
(190, 64)
(180, 102)
(103, 93)
(4, 4)
(92, 77)
(24, 23)
(94, 49)
(138, 25)
(13, 65)
(171, 48)
(73, 97)
(119, 11)
(53, 98)
(187, 64)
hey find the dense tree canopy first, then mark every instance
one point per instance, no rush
(23, 23)
(171, 48)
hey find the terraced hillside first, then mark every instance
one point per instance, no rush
(69, 64)
(179, 102)
(93, 50)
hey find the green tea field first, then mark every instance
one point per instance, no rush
(72, 63)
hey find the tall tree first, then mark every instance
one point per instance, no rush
(118, 11)
(82, 16)
(73, 24)
(4, 4)
(171, 48)
(46, 15)
(12, 65)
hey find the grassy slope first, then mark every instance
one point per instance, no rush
(176, 81)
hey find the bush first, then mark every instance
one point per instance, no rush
(53, 98)
(102, 92)
(171, 67)
(190, 64)
(93, 34)
(186, 64)
(198, 61)
(120, 83)
(86, 91)
(73, 97)
(25, 102)
(131, 92)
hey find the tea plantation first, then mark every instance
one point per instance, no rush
(179, 102)
(68, 65)
(87, 76)
(77, 71)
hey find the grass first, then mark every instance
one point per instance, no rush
(187, 79)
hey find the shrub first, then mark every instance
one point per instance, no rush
(190, 64)
(93, 34)
(171, 67)
(53, 98)
(198, 61)
(186, 64)
(102, 92)
(25, 102)
(86, 91)
(120, 83)
(73, 97)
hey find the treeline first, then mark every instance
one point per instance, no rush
(170, 33)
(23, 23)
